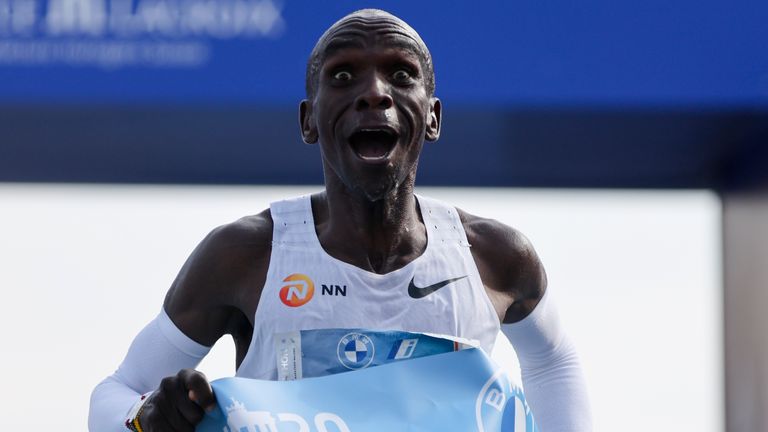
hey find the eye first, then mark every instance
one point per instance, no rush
(342, 76)
(401, 75)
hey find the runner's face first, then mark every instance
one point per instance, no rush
(371, 110)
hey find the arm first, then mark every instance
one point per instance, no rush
(158, 351)
(552, 377)
(517, 286)
(213, 295)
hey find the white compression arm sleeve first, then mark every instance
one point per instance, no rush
(158, 351)
(552, 377)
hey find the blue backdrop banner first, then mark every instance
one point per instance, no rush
(496, 52)
(457, 391)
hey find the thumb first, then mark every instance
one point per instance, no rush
(198, 389)
(207, 406)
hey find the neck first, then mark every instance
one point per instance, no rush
(378, 236)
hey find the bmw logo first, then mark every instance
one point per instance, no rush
(501, 405)
(355, 351)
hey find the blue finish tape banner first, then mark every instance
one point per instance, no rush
(456, 391)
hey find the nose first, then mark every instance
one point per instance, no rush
(375, 95)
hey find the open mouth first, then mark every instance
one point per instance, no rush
(373, 145)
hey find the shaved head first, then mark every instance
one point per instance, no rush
(367, 23)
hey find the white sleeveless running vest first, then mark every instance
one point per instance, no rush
(439, 292)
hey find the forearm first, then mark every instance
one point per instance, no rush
(159, 350)
(110, 402)
(552, 375)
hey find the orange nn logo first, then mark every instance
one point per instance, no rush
(297, 291)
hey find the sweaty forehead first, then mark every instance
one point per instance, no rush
(361, 31)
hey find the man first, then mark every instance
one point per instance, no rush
(406, 260)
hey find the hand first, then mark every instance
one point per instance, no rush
(179, 404)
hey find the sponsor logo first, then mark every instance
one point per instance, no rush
(121, 33)
(403, 349)
(501, 405)
(221, 19)
(334, 290)
(421, 292)
(297, 291)
(355, 351)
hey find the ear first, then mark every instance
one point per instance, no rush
(307, 122)
(434, 118)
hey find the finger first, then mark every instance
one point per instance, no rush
(186, 409)
(165, 407)
(171, 420)
(199, 390)
(191, 411)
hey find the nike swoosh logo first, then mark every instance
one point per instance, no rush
(419, 292)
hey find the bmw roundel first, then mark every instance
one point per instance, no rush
(355, 351)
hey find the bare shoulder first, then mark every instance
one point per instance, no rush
(217, 282)
(511, 271)
(242, 235)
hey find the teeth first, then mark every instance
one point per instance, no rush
(386, 131)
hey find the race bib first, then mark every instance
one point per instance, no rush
(455, 391)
